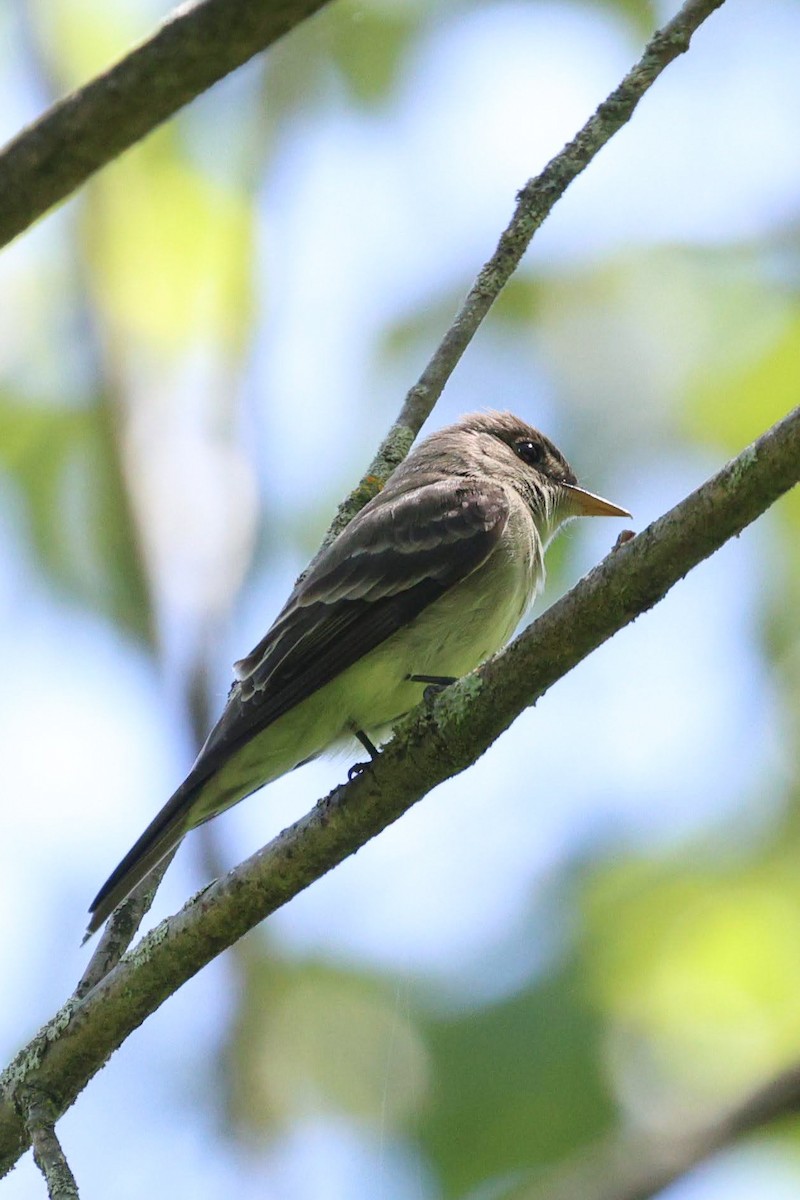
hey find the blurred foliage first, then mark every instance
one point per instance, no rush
(362, 45)
(679, 985)
(63, 462)
(77, 41)
(171, 251)
(643, 15)
(518, 1083)
(487, 1093)
(695, 964)
(310, 1038)
(367, 44)
(739, 397)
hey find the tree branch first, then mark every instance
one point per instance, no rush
(47, 1153)
(122, 926)
(195, 48)
(534, 203)
(433, 743)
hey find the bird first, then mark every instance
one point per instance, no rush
(426, 582)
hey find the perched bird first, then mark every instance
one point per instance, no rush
(429, 579)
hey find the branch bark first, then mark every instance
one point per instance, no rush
(47, 1152)
(192, 50)
(434, 743)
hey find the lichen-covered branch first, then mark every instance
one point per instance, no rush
(48, 1155)
(434, 743)
(122, 926)
(195, 48)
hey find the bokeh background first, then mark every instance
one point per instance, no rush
(597, 928)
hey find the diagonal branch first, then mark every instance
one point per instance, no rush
(195, 48)
(535, 202)
(434, 743)
(201, 44)
(47, 1152)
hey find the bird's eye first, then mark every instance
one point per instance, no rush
(530, 452)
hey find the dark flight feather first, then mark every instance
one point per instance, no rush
(396, 557)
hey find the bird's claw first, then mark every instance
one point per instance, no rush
(436, 685)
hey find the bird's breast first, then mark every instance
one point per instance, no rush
(465, 626)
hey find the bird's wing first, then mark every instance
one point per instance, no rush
(392, 561)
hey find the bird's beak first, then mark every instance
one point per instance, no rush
(586, 504)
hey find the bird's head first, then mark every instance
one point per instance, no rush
(511, 448)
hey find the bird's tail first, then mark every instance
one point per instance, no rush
(162, 835)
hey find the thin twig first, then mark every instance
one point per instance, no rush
(195, 48)
(47, 1152)
(434, 742)
(121, 927)
(534, 203)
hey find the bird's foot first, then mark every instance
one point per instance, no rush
(371, 749)
(436, 684)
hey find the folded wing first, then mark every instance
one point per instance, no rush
(394, 559)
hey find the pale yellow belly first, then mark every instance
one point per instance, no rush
(463, 628)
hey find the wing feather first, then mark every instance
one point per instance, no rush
(395, 558)
(389, 564)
